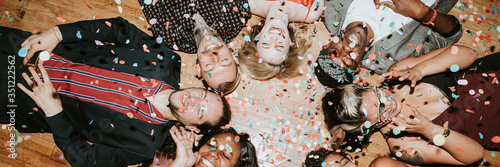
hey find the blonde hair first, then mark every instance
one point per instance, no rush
(341, 109)
(249, 61)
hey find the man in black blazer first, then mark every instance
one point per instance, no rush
(118, 139)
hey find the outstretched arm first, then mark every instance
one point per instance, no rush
(437, 61)
(77, 151)
(442, 23)
(457, 148)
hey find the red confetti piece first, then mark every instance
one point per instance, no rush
(410, 151)
(372, 57)
(181, 109)
(469, 111)
(460, 150)
(88, 5)
(395, 73)
(495, 139)
(35, 109)
(410, 45)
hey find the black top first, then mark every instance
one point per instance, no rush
(171, 20)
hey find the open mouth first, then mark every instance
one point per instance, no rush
(207, 163)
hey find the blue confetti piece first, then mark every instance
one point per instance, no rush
(160, 57)
(481, 135)
(391, 24)
(454, 68)
(236, 54)
(245, 5)
(178, 164)
(210, 75)
(323, 164)
(453, 95)
(349, 71)
(396, 131)
(251, 125)
(91, 122)
(22, 52)
(148, 2)
(214, 39)
(367, 124)
(265, 36)
(256, 39)
(135, 64)
(350, 99)
(78, 35)
(159, 39)
(247, 38)
(118, 2)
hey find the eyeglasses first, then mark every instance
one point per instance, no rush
(381, 106)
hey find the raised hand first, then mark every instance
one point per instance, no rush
(416, 123)
(409, 8)
(184, 152)
(410, 74)
(44, 41)
(44, 94)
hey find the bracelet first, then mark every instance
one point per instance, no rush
(440, 139)
(431, 22)
(55, 34)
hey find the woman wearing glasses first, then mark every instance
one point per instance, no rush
(438, 117)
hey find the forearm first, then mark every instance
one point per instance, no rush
(444, 59)
(443, 23)
(462, 148)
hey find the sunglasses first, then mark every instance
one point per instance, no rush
(383, 117)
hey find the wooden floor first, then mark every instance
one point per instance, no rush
(282, 116)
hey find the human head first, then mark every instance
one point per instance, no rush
(327, 158)
(200, 108)
(215, 62)
(348, 47)
(350, 109)
(275, 38)
(331, 74)
(252, 61)
(226, 137)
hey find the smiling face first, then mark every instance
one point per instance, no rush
(338, 161)
(216, 63)
(389, 106)
(195, 106)
(349, 47)
(274, 38)
(220, 151)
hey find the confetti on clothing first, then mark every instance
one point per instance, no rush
(173, 20)
(121, 92)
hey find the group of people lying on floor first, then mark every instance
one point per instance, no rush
(110, 84)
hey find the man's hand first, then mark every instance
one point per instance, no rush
(409, 8)
(44, 41)
(44, 94)
(184, 152)
(411, 74)
(416, 123)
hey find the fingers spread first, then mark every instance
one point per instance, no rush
(389, 4)
(24, 89)
(35, 76)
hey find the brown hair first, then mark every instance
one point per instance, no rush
(249, 63)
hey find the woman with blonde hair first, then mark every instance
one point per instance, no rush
(274, 47)
(456, 117)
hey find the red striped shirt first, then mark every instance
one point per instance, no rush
(121, 92)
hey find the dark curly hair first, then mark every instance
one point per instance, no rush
(316, 158)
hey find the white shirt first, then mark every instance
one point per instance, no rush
(383, 21)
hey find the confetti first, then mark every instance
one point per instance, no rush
(454, 50)
(78, 35)
(454, 68)
(148, 2)
(181, 109)
(22, 52)
(495, 139)
(44, 55)
(60, 19)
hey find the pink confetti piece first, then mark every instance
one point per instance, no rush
(419, 47)
(108, 23)
(88, 5)
(454, 50)
(145, 47)
(60, 19)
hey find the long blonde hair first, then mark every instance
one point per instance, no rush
(249, 61)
